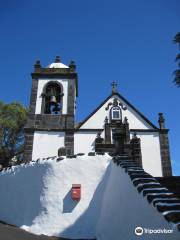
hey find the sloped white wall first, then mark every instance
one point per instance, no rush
(37, 196)
(41, 84)
(97, 120)
(123, 209)
(47, 143)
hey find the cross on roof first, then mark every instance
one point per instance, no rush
(114, 87)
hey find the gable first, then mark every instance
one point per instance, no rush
(136, 119)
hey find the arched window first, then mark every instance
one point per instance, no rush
(116, 113)
(52, 98)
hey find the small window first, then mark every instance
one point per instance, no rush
(116, 113)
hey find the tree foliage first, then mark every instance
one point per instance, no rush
(13, 117)
(176, 40)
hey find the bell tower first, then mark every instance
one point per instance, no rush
(52, 110)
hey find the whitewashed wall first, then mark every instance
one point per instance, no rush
(41, 84)
(46, 144)
(84, 142)
(150, 147)
(97, 120)
(151, 156)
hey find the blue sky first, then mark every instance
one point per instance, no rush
(126, 41)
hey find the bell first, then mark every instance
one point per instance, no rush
(53, 100)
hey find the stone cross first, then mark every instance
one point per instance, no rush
(114, 87)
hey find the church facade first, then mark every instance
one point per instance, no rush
(51, 123)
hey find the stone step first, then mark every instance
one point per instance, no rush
(153, 196)
(168, 200)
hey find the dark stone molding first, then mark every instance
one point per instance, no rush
(89, 130)
(131, 130)
(165, 153)
(63, 71)
(33, 97)
(48, 121)
(29, 130)
(148, 130)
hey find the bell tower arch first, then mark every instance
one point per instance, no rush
(52, 109)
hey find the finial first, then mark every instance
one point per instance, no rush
(161, 121)
(106, 119)
(57, 59)
(72, 65)
(37, 65)
(115, 102)
(135, 136)
(114, 87)
(125, 120)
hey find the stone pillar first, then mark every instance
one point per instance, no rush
(107, 132)
(69, 142)
(29, 138)
(69, 135)
(164, 147)
(29, 133)
(136, 149)
(127, 133)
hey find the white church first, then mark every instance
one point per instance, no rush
(99, 179)
(51, 125)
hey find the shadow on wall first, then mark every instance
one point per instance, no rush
(87, 222)
(68, 203)
(93, 145)
(27, 181)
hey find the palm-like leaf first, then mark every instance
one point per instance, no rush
(177, 38)
(177, 77)
(177, 57)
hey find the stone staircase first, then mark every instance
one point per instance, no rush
(165, 201)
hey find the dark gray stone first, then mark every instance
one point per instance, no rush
(62, 151)
(91, 154)
(80, 154)
(165, 153)
(59, 159)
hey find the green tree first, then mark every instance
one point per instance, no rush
(176, 80)
(13, 117)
